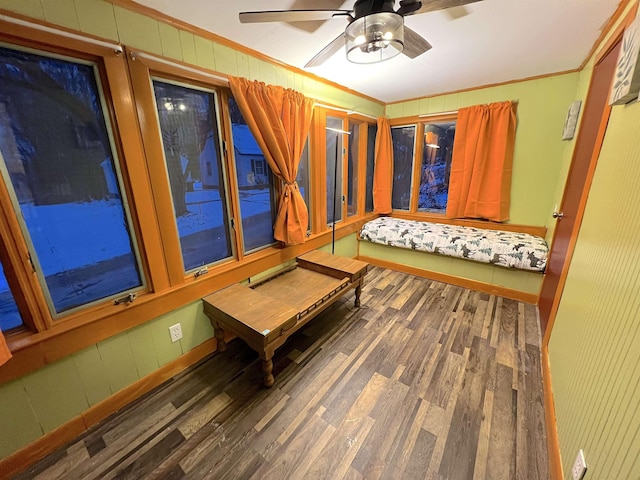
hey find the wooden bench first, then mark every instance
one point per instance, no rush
(266, 313)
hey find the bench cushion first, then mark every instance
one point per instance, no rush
(506, 249)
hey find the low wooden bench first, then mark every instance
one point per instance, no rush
(266, 313)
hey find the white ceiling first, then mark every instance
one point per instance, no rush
(493, 41)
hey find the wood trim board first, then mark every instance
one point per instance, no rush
(454, 280)
(66, 432)
(553, 442)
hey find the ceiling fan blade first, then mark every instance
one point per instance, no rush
(414, 44)
(290, 15)
(433, 5)
(327, 52)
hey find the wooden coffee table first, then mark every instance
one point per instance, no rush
(266, 313)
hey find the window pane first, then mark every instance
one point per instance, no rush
(403, 145)
(436, 166)
(58, 157)
(371, 156)
(9, 315)
(255, 184)
(191, 150)
(334, 169)
(352, 169)
(303, 179)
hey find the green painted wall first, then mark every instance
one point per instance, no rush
(584, 77)
(539, 149)
(45, 399)
(345, 247)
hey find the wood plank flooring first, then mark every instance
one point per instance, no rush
(424, 381)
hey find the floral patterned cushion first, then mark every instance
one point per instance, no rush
(507, 249)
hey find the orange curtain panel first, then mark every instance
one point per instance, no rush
(480, 180)
(279, 119)
(383, 172)
(5, 354)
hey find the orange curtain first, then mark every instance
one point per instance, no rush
(480, 180)
(383, 173)
(5, 354)
(279, 119)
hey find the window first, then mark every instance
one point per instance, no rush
(255, 185)
(422, 164)
(189, 128)
(403, 147)
(258, 167)
(60, 165)
(352, 169)
(372, 131)
(9, 314)
(436, 166)
(334, 169)
(303, 179)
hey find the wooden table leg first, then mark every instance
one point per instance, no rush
(358, 292)
(219, 333)
(267, 368)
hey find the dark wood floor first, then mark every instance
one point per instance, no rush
(426, 380)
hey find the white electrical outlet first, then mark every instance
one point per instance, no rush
(176, 332)
(579, 466)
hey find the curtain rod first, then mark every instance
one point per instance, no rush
(169, 63)
(425, 115)
(43, 28)
(348, 112)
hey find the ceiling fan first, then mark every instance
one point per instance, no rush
(376, 32)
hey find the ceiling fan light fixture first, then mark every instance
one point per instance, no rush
(375, 38)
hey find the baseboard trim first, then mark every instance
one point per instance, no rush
(553, 442)
(453, 280)
(28, 455)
